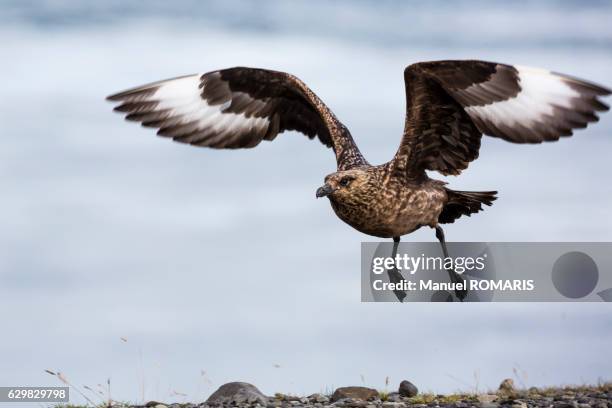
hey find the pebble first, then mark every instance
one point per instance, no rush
(361, 393)
(487, 398)
(407, 389)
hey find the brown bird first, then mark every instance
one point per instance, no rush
(449, 106)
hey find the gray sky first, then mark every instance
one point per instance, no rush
(223, 261)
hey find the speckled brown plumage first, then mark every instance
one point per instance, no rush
(450, 105)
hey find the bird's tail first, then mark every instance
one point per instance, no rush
(464, 203)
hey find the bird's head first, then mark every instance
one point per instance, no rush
(348, 186)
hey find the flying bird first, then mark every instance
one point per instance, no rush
(449, 106)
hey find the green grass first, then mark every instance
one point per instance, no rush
(428, 398)
(383, 395)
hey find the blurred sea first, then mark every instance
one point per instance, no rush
(221, 265)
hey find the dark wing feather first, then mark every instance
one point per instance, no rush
(450, 104)
(237, 108)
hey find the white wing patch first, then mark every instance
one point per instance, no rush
(545, 99)
(182, 97)
(178, 109)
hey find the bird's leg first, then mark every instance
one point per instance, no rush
(454, 276)
(394, 275)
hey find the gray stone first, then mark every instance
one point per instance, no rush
(360, 393)
(388, 404)
(407, 389)
(237, 392)
(318, 397)
(394, 397)
(486, 398)
(566, 404)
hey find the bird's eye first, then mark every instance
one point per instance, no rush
(345, 181)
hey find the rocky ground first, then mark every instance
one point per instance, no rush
(243, 395)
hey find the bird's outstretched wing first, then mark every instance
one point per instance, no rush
(450, 104)
(237, 108)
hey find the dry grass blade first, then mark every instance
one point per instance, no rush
(91, 390)
(64, 380)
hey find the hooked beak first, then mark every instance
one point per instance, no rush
(325, 190)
